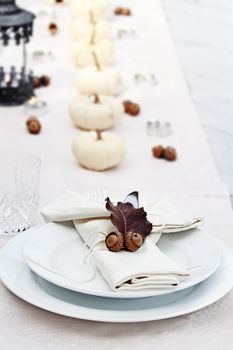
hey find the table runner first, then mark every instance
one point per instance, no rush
(193, 173)
(193, 181)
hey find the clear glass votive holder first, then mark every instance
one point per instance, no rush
(158, 128)
(34, 106)
(126, 33)
(39, 55)
(145, 78)
(19, 191)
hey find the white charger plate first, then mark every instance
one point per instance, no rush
(20, 280)
(57, 251)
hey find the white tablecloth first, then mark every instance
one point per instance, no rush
(192, 180)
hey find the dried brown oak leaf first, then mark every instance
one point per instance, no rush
(131, 222)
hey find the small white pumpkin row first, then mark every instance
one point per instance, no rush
(99, 8)
(89, 31)
(95, 112)
(98, 151)
(84, 52)
(93, 55)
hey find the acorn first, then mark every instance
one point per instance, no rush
(125, 12)
(45, 80)
(53, 28)
(158, 151)
(133, 241)
(36, 82)
(33, 125)
(127, 104)
(131, 108)
(170, 153)
(134, 109)
(118, 10)
(114, 241)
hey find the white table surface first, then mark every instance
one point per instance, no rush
(203, 36)
(199, 191)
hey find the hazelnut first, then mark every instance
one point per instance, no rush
(158, 151)
(134, 109)
(118, 10)
(45, 80)
(36, 82)
(114, 241)
(126, 12)
(33, 125)
(127, 105)
(133, 241)
(170, 153)
(53, 28)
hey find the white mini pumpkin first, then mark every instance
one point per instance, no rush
(105, 81)
(95, 112)
(83, 29)
(83, 52)
(98, 151)
(99, 8)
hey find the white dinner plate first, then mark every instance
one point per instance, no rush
(57, 251)
(19, 279)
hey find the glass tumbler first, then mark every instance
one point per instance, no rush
(19, 191)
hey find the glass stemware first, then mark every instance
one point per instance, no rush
(19, 191)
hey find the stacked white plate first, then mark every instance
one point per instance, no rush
(57, 280)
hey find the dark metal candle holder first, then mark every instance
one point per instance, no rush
(16, 26)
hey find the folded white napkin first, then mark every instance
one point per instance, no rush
(147, 268)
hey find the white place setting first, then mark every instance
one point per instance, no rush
(165, 270)
(115, 224)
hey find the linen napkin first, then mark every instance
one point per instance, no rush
(147, 268)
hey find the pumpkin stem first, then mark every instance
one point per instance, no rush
(99, 135)
(91, 17)
(97, 64)
(92, 40)
(96, 98)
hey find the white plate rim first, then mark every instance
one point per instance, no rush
(49, 276)
(225, 266)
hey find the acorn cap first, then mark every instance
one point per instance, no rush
(31, 119)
